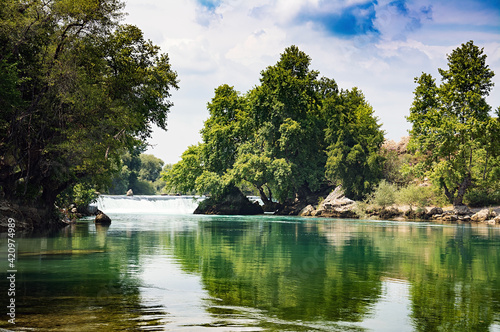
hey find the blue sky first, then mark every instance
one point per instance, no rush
(377, 46)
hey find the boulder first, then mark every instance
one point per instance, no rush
(450, 217)
(307, 211)
(435, 211)
(335, 199)
(483, 215)
(494, 221)
(232, 203)
(101, 218)
(130, 192)
(336, 205)
(462, 210)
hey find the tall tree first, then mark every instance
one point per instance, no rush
(285, 110)
(87, 87)
(354, 139)
(452, 124)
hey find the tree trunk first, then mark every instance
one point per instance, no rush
(263, 196)
(462, 189)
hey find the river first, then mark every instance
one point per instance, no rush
(183, 272)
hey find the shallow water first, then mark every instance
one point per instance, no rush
(262, 273)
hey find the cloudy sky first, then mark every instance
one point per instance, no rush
(377, 46)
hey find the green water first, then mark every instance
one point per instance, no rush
(265, 273)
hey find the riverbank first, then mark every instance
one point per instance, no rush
(336, 205)
(28, 218)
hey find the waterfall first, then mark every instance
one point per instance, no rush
(147, 204)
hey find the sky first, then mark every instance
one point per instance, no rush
(376, 46)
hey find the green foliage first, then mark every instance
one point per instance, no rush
(273, 137)
(182, 177)
(354, 140)
(481, 197)
(151, 167)
(398, 167)
(384, 194)
(415, 196)
(81, 195)
(452, 126)
(77, 89)
(139, 172)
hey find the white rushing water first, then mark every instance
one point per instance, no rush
(148, 204)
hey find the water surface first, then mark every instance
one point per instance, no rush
(262, 273)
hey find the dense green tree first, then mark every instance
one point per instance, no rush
(452, 126)
(86, 88)
(150, 167)
(278, 136)
(354, 139)
(288, 129)
(139, 172)
(181, 178)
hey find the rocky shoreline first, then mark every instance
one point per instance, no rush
(336, 205)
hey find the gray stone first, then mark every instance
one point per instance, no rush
(307, 211)
(435, 211)
(462, 210)
(483, 215)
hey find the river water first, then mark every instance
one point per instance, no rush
(183, 272)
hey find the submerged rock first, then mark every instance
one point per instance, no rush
(232, 203)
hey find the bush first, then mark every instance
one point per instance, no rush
(384, 194)
(482, 197)
(414, 195)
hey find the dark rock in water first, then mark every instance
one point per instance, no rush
(232, 203)
(102, 218)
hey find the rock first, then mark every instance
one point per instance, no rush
(336, 205)
(130, 192)
(462, 210)
(494, 221)
(307, 211)
(335, 199)
(435, 211)
(483, 215)
(101, 218)
(28, 218)
(450, 217)
(232, 203)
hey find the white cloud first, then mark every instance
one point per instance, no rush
(235, 41)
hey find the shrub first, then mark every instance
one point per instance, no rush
(414, 195)
(384, 194)
(480, 197)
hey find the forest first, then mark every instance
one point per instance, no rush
(80, 92)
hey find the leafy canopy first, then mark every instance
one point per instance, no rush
(452, 125)
(78, 89)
